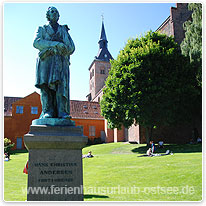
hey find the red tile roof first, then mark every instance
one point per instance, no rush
(8, 101)
(85, 110)
(78, 109)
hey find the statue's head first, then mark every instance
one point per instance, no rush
(52, 14)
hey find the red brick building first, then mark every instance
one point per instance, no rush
(173, 25)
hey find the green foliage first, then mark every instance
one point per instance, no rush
(8, 145)
(192, 44)
(150, 83)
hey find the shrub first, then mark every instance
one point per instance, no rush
(8, 145)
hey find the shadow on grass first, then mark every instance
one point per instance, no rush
(175, 148)
(95, 196)
(16, 152)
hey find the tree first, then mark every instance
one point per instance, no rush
(192, 44)
(151, 83)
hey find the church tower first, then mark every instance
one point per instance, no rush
(99, 68)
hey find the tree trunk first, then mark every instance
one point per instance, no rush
(151, 130)
(148, 135)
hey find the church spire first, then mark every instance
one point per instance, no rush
(103, 37)
(103, 53)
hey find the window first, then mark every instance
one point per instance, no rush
(91, 130)
(92, 73)
(85, 106)
(19, 109)
(102, 71)
(34, 110)
(19, 143)
(94, 107)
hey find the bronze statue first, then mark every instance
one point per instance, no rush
(52, 69)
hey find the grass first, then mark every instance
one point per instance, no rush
(14, 178)
(116, 171)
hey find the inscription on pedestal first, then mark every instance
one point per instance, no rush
(44, 172)
(57, 172)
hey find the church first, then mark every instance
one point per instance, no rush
(99, 70)
(19, 112)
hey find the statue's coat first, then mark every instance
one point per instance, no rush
(53, 69)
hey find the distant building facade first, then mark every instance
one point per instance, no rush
(87, 114)
(18, 116)
(173, 25)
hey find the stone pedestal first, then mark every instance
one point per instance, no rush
(55, 163)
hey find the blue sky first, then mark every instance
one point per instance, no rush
(122, 21)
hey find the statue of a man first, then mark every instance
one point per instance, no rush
(52, 70)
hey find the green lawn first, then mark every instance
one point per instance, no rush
(116, 173)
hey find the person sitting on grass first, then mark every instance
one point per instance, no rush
(199, 140)
(149, 152)
(6, 157)
(89, 155)
(152, 146)
(161, 144)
